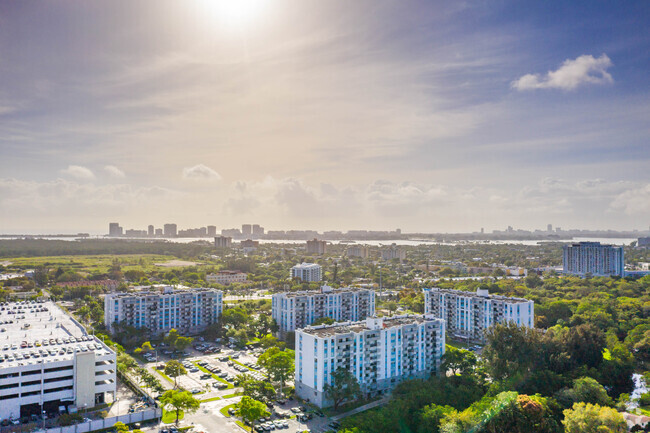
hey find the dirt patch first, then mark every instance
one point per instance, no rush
(176, 263)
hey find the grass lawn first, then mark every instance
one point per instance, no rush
(643, 411)
(224, 410)
(239, 363)
(214, 376)
(210, 399)
(170, 416)
(232, 395)
(92, 263)
(458, 344)
(164, 376)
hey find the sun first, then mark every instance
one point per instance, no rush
(234, 13)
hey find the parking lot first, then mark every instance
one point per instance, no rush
(227, 363)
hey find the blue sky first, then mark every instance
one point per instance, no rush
(425, 115)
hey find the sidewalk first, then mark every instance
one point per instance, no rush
(363, 408)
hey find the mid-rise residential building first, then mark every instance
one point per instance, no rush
(357, 251)
(469, 314)
(309, 272)
(379, 352)
(114, 229)
(170, 230)
(226, 277)
(593, 258)
(296, 310)
(189, 311)
(49, 361)
(393, 252)
(222, 241)
(316, 247)
(249, 245)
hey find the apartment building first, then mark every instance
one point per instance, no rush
(379, 352)
(593, 258)
(358, 251)
(222, 241)
(309, 272)
(469, 314)
(189, 311)
(226, 277)
(393, 252)
(48, 362)
(293, 311)
(316, 247)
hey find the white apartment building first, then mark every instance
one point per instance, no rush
(468, 315)
(593, 258)
(393, 252)
(309, 272)
(48, 362)
(380, 352)
(226, 277)
(296, 310)
(189, 311)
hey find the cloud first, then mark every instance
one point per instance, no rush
(114, 172)
(201, 172)
(633, 201)
(79, 172)
(585, 69)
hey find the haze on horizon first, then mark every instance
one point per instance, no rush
(430, 116)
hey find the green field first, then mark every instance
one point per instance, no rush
(91, 263)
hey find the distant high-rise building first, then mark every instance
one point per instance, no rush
(308, 272)
(114, 229)
(150, 231)
(159, 232)
(170, 230)
(593, 258)
(233, 233)
(246, 230)
(212, 231)
(482, 230)
(222, 241)
(316, 247)
(249, 245)
(258, 231)
(549, 228)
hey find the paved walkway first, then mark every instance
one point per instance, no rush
(363, 408)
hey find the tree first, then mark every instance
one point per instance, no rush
(345, 386)
(120, 427)
(391, 306)
(171, 337)
(511, 350)
(323, 321)
(586, 390)
(251, 410)
(279, 364)
(459, 361)
(270, 341)
(256, 389)
(147, 347)
(180, 401)
(234, 317)
(592, 418)
(173, 368)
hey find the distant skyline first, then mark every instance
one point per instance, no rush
(425, 115)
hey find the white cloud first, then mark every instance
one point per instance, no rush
(585, 69)
(201, 172)
(114, 172)
(79, 172)
(633, 201)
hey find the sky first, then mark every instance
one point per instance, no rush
(429, 116)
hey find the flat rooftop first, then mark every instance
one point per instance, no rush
(479, 295)
(358, 327)
(37, 332)
(328, 292)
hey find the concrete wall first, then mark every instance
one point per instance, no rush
(85, 379)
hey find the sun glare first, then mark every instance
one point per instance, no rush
(234, 13)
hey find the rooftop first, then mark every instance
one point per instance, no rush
(369, 324)
(306, 265)
(480, 293)
(161, 290)
(325, 290)
(35, 332)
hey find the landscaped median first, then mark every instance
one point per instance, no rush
(169, 416)
(224, 412)
(214, 376)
